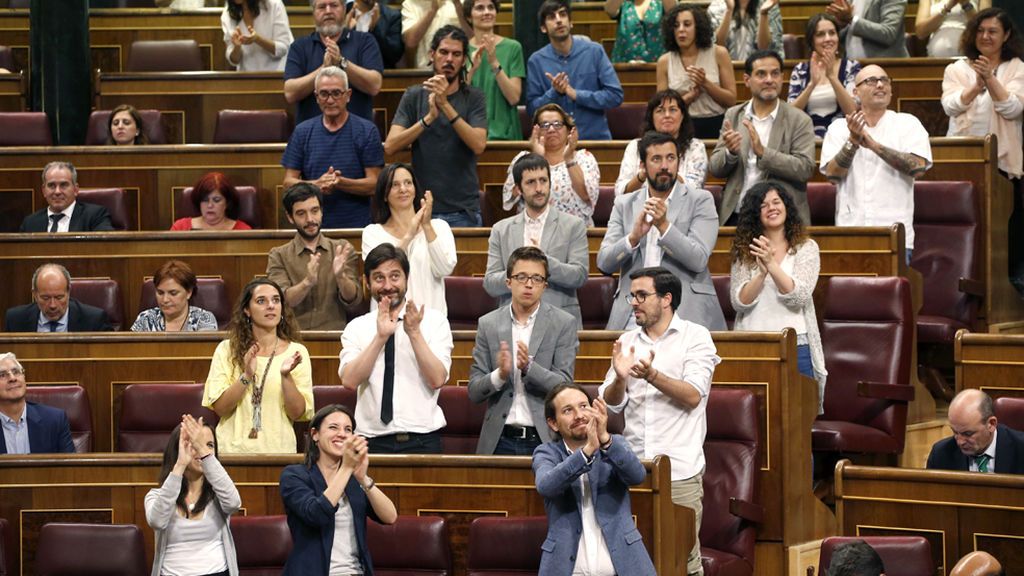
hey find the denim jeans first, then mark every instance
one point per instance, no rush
(464, 219)
(803, 360)
(515, 446)
(405, 443)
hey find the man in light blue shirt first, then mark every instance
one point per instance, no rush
(574, 73)
(29, 428)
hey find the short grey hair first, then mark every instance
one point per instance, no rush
(333, 72)
(10, 356)
(61, 164)
(54, 266)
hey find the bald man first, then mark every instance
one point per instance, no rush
(53, 309)
(979, 443)
(978, 564)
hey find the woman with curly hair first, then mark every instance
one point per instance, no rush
(260, 379)
(774, 271)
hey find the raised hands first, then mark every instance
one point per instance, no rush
(387, 319)
(622, 362)
(313, 268)
(250, 360)
(560, 82)
(413, 317)
(755, 139)
(522, 356)
(569, 152)
(841, 10)
(192, 428)
(537, 141)
(858, 123)
(732, 138)
(763, 252)
(328, 180)
(437, 85)
(341, 256)
(504, 361)
(332, 54)
(767, 5)
(290, 363)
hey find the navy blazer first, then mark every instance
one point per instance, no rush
(946, 455)
(81, 318)
(612, 472)
(311, 520)
(85, 218)
(48, 430)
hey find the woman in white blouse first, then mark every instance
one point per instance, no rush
(774, 271)
(941, 22)
(666, 112)
(189, 512)
(402, 212)
(256, 35)
(575, 176)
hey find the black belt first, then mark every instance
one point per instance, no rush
(520, 432)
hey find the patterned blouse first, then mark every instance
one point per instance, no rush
(801, 77)
(636, 38)
(152, 320)
(563, 196)
(742, 41)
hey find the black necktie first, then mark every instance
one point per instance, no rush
(53, 324)
(54, 219)
(386, 408)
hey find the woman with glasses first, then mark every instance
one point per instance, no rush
(774, 271)
(666, 112)
(822, 86)
(575, 176)
(402, 214)
(216, 201)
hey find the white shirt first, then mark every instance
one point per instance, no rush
(519, 412)
(414, 401)
(763, 127)
(533, 228)
(412, 12)
(991, 452)
(272, 24)
(195, 546)
(65, 223)
(344, 549)
(652, 249)
(592, 557)
(656, 424)
(873, 192)
(770, 314)
(429, 262)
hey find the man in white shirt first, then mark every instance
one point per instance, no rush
(522, 351)
(584, 475)
(661, 376)
(873, 157)
(396, 373)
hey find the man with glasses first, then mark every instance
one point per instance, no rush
(53, 309)
(661, 376)
(669, 224)
(338, 152)
(979, 442)
(873, 157)
(332, 44)
(763, 139)
(523, 350)
(562, 238)
(29, 428)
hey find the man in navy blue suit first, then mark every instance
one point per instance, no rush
(584, 476)
(63, 212)
(53, 309)
(29, 428)
(979, 442)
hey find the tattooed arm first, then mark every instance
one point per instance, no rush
(906, 162)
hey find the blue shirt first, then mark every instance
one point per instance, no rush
(313, 149)
(307, 54)
(16, 433)
(44, 322)
(592, 76)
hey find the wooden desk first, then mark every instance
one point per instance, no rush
(764, 363)
(13, 89)
(109, 488)
(990, 362)
(957, 512)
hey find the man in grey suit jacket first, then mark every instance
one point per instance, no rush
(763, 139)
(666, 224)
(522, 351)
(562, 237)
(871, 28)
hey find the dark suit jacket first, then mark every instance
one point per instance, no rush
(48, 430)
(311, 521)
(85, 218)
(81, 318)
(946, 455)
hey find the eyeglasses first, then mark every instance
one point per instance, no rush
(551, 125)
(534, 278)
(639, 297)
(328, 94)
(15, 372)
(875, 80)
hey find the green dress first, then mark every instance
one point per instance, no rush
(502, 117)
(637, 39)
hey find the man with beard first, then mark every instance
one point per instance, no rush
(562, 237)
(574, 73)
(332, 44)
(584, 476)
(763, 139)
(396, 371)
(319, 275)
(661, 376)
(667, 223)
(338, 152)
(29, 428)
(445, 122)
(873, 157)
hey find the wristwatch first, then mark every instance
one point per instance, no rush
(343, 64)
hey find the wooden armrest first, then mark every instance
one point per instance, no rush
(885, 391)
(972, 287)
(746, 510)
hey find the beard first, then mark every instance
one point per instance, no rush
(329, 30)
(306, 235)
(660, 184)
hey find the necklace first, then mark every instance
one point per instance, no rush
(257, 395)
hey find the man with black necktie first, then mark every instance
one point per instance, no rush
(979, 443)
(53, 309)
(397, 372)
(63, 212)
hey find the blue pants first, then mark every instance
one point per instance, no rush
(405, 443)
(462, 219)
(803, 360)
(515, 446)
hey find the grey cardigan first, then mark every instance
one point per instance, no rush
(160, 510)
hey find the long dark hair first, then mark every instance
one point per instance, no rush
(701, 22)
(240, 329)
(171, 457)
(738, 16)
(1012, 48)
(686, 131)
(235, 10)
(312, 450)
(381, 210)
(749, 224)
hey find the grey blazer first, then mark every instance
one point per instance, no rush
(553, 346)
(881, 26)
(788, 158)
(685, 251)
(564, 242)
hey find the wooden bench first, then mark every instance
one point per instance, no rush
(990, 362)
(13, 89)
